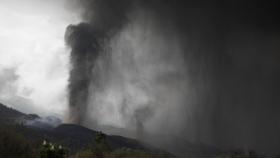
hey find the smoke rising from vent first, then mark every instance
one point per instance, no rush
(199, 70)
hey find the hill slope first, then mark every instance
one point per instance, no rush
(76, 137)
(72, 136)
(9, 115)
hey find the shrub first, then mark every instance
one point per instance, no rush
(238, 154)
(49, 150)
(14, 145)
(85, 154)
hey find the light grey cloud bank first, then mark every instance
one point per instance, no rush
(33, 57)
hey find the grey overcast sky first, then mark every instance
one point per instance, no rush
(34, 55)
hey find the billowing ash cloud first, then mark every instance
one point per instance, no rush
(85, 39)
(204, 71)
(84, 52)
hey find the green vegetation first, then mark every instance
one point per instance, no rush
(120, 153)
(49, 150)
(239, 154)
(84, 154)
(14, 145)
(101, 149)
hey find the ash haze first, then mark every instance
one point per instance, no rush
(199, 70)
(204, 71)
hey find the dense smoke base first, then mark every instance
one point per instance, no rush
(199, 70)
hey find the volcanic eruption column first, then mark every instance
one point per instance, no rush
(104, 19)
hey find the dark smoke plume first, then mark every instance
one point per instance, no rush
(104, 18)
(84, 52)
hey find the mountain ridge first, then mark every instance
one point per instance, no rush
(74, 137)
(77, 137)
